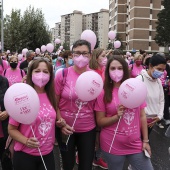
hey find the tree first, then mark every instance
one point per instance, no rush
(162, 37)
(27, 31)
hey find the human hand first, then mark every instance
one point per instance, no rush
(24, 79)
(67, 130)
(120, 110)
(32, 143)
(155, 119)
(61, 123)
(146, 147)
(3, 115)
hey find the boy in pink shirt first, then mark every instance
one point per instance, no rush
(122, 128)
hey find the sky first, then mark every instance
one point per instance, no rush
(53, 9)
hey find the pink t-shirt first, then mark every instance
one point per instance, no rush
(163, 78)
(101, 72)
(136, 70)
(128, 136)
(69, 103)
(44, 129)
(14, 76)
(5, 66)
(1, 131)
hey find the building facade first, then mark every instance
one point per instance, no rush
(98, 22)
(56, 32)
(135, 22)
(73, 24)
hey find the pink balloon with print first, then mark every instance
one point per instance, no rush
(89, 36)
(112, 35)
(132, 93)
(88, 86)
(22, 103)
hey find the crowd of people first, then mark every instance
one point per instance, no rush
(100, 121)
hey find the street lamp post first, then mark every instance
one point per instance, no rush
(2, 27)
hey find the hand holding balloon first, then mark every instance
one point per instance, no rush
(120, 110)
(67, 130)
(32, 143)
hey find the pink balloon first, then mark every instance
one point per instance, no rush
(89, 36)
(50, 47)
(57, 41)
(117, 44)
(61, 47)
(24, 51)
(22, 103)
(91, 90)
(37, 50)
(71, 47)
(132, 93)
(20, 56)
(43, 48)
(112, 35)
(8, 51)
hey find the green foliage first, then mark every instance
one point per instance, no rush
(27, 31)
(66, 46)
(162, 37)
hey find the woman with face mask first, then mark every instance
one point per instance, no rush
(13, 73)
(68, 61)
(128, 125)
(82, 136)
(137, 66)
(98, 61)
(155, 95)
(26, 154)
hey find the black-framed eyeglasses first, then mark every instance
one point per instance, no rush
(78, 53)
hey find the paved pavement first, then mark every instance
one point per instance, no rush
(159, 145)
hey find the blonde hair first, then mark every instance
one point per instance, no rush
(13, 57)
(49, 57)
(137, 55)
(93, 64)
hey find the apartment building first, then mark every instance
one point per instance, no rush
(73, 24)
(135, 22)
(98, 22)
(71, 27)
(56, 32)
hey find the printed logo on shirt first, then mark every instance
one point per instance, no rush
(129, 116)
(46, 120)
(12, 79)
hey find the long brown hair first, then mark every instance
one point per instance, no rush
(108, 82)
(49, 87)
(93, 64)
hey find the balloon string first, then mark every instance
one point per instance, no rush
(38, 148)
(75, 120)
(114, 134)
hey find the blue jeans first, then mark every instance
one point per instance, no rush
(138, 161)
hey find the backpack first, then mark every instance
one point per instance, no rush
(20, 71)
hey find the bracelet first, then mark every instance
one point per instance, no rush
(146, 141)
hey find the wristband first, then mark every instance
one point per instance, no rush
(146, 141)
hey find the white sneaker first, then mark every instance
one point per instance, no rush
(167, 122)
(160, 125)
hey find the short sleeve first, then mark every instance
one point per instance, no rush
(143, 105)
(5, 64)
(13, 122)
(58, 82)
(99, 104)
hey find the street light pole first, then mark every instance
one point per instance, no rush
(2, 27)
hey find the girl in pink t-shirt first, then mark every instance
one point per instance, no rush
(26, 153)
(132, 124)
(136, 67)
(13, 73)
(83, 133)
